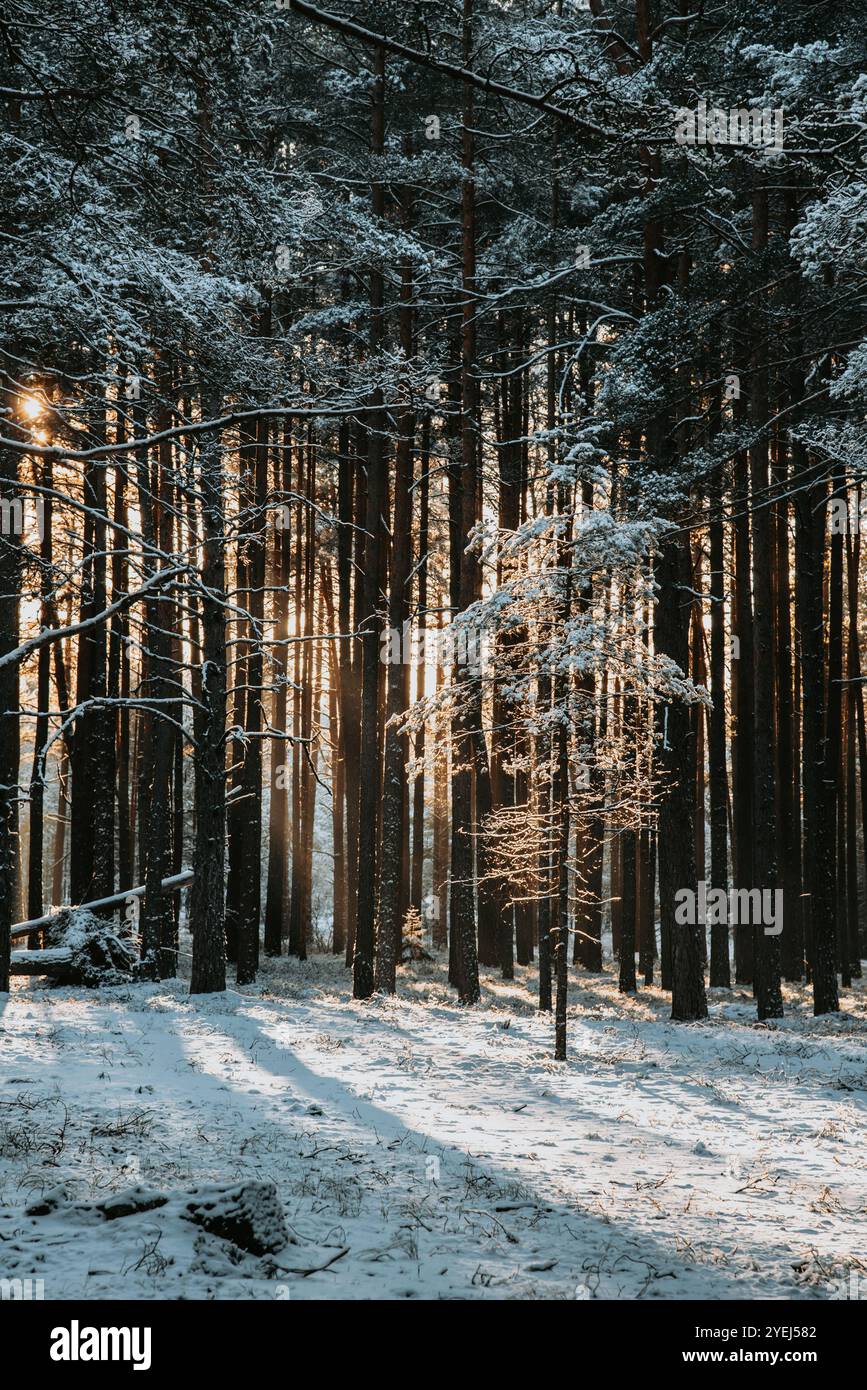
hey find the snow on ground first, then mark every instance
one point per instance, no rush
(424, 1150)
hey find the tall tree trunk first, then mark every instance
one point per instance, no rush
(418, 784)
(788, 782)
(743, 701)
(349, 496)
(10, 569)
(156, 910)
(810, 499)
(676, 842)
(720, 969)
(440, 882)
(769, 997)
(464, 723)
(394, 788)
(35, 894)
(853, 691)
(369, 763)
(207, 899)
(250, 890)
(278, 815)
(338, 788)
(834, 735)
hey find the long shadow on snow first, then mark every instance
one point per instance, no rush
(383, 1124)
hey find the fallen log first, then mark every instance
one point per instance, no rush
(53, 961)
(82, 950)
(169, 885)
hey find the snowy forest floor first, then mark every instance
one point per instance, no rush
(424, 1150)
